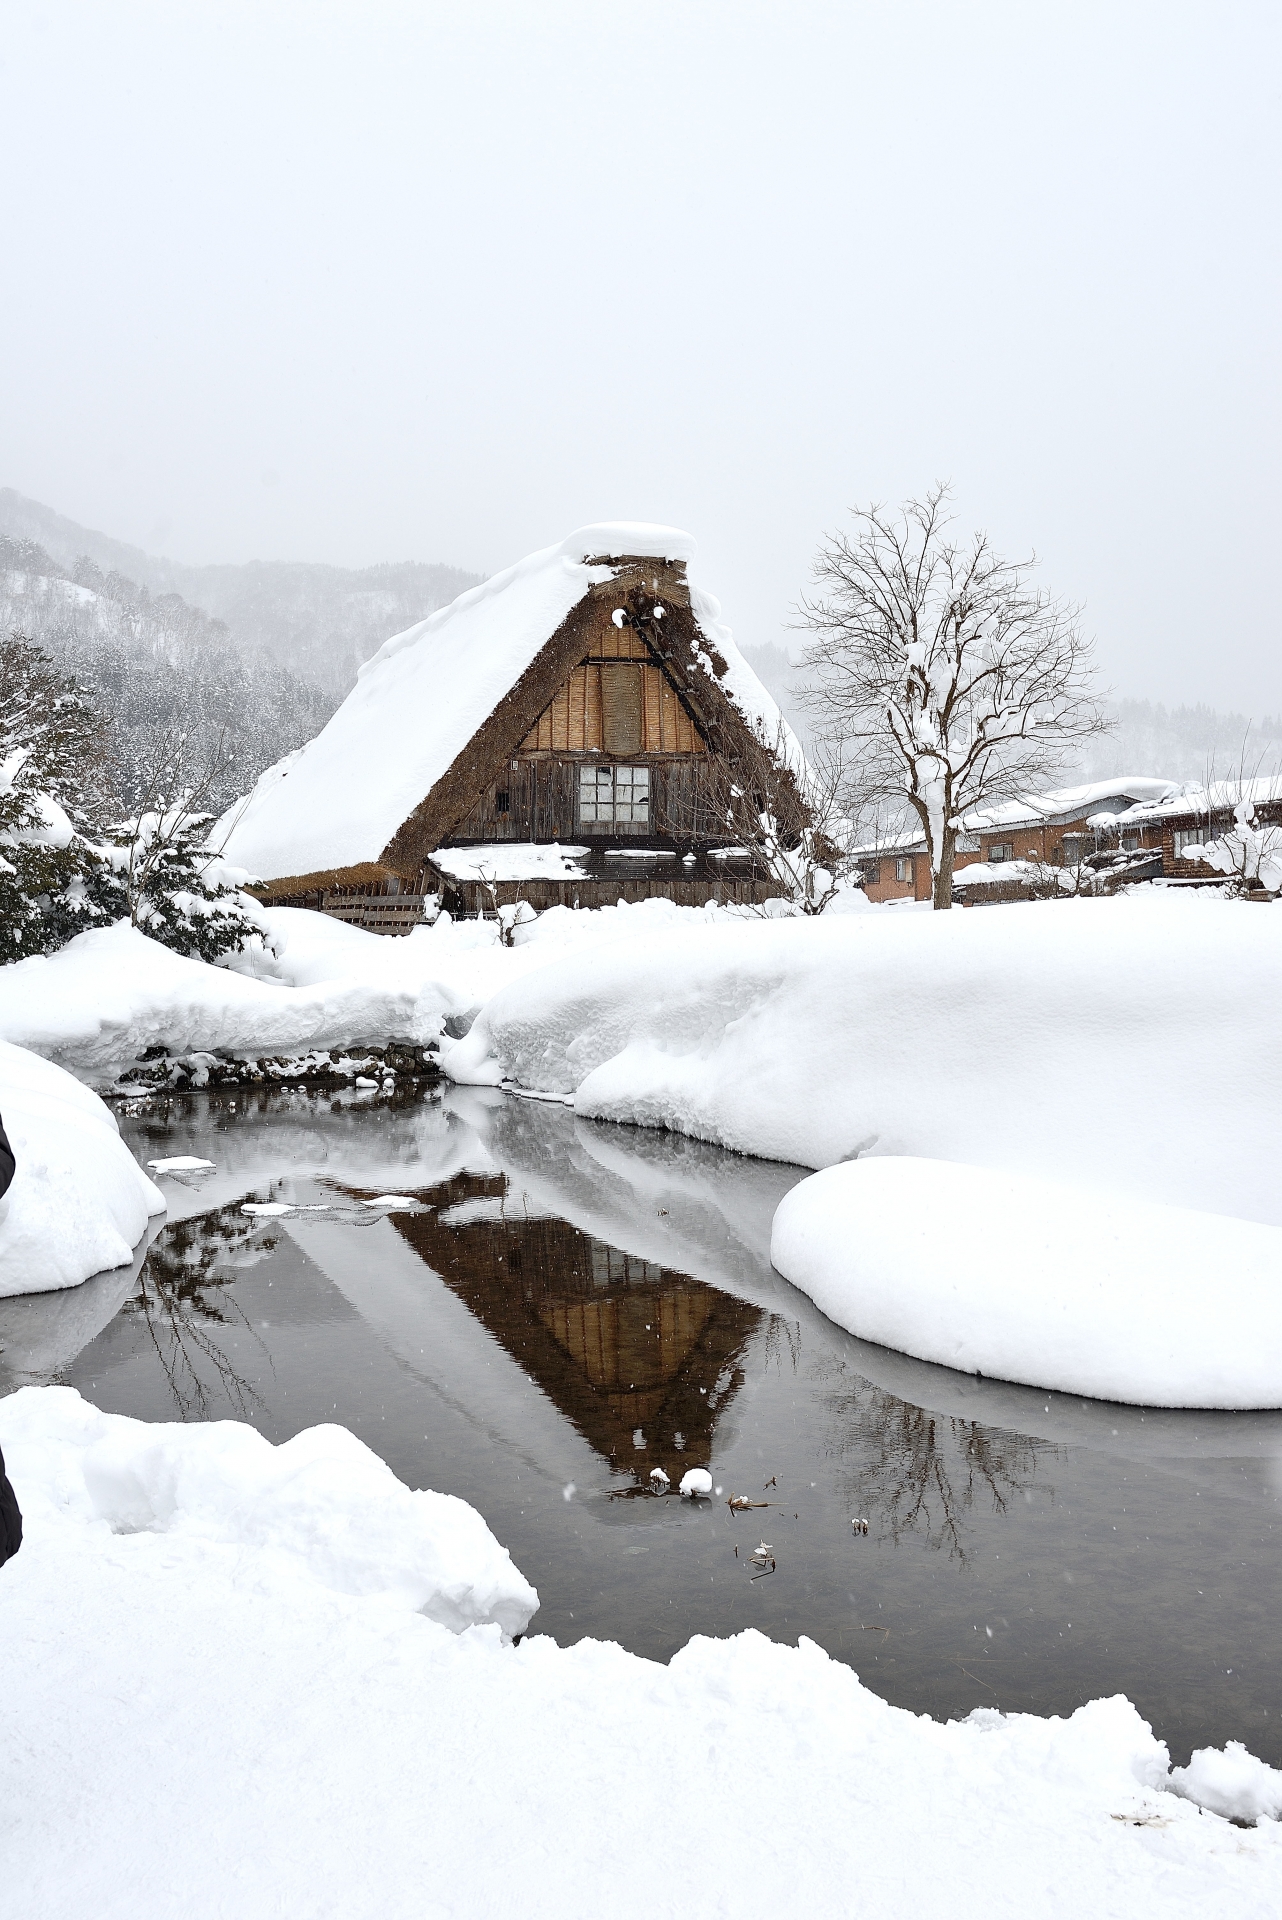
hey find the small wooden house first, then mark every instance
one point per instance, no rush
(565, 734)
(1055, 829)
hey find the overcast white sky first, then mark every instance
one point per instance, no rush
(365, 281)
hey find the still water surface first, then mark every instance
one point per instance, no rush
(568, 1305)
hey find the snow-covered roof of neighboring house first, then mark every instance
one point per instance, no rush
(1220, 797)
(1122, 797)
(1070, 803)
(339, 801)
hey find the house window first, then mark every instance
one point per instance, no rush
(614, 796)
(502, 802)
(1000, 850)
(871, 872)
(904, 871)
(1190, 837)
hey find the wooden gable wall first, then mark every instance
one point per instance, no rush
(618, 701)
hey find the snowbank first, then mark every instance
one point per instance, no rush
(79, 1202)
(104, 999)
(322, 1508)
(1041, 1282)
(1128, 1042)
(1232, 1783)
(324, 1748)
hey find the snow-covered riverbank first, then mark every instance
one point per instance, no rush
(217, 1720)
(1125, 1043)
(79, 1203)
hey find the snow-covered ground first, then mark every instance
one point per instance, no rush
(1128, 1044)
(232, 1702)
(79, 1202)
(1036, 1281)
(100, 1003)
(109, 996)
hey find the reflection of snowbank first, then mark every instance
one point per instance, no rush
(41, 1333)
(324, 1747)
(1044, 1283)
(661, 1196)
(79, 1203)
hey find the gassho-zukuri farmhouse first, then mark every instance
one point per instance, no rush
(565, 734)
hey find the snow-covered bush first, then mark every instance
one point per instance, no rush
(177, 891)
(1250, 855)
(55, 880)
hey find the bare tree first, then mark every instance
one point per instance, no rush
(803, 853)
(949, 679)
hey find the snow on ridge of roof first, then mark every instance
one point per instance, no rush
(615, 538)
(630, 539)
(1223, 795)
(1032, 810)
(339, 800)
(1141, 788)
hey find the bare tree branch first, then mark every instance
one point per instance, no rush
(947, 679)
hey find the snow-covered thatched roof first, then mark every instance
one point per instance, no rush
(340, 801)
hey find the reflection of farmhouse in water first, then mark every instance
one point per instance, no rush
(642, 1360)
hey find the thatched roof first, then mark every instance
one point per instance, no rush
(437, 710)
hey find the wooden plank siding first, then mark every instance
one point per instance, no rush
(577, 719)
(536, 798)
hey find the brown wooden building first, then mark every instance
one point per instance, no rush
(1056, 829)
(566, 734)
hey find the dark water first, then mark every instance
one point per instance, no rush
(569, 1305)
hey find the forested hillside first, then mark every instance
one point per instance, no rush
(318, 620)
(247, 661)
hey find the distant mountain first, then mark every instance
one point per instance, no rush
(178, 692)
(320, 621)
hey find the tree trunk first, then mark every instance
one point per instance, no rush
(942, 895)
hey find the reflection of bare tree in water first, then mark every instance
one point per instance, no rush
(184, 1298)
(923, 1471)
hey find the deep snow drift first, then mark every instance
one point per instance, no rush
(79, 1202)
(215, 1723)
(1127, 1042)
(321, 1508)
(1041, 1282)
(108, 996)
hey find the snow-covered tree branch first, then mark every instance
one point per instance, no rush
(753, 804)
(177, 890)
(948, 679)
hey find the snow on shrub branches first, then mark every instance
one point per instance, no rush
(63, 869)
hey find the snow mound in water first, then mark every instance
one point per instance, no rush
(79, 1202)
(1041, 1282)
(326, 1510)
(98, 1004)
